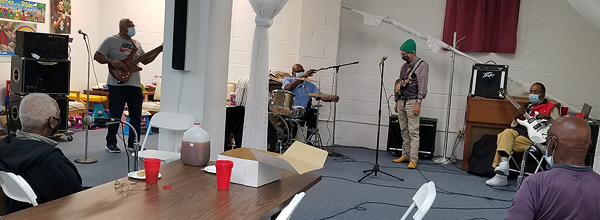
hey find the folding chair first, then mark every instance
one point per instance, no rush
(169, 121)
(15, 187)
(535, 151)
(286, 212)
(423, 199)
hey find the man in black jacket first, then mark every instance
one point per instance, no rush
(31, 154)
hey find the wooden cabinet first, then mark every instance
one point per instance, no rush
(486, 116)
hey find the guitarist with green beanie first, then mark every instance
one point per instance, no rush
(410, 90)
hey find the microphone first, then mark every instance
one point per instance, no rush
(88, 120)
(384, 58)
(82, 33)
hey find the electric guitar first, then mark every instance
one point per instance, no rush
(131, 65)
(537, 129)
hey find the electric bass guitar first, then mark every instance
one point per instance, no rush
(537, 129)
(131, 65)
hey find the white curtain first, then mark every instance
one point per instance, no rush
(589, 10)
(255, 118)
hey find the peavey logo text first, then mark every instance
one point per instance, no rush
(488, 75)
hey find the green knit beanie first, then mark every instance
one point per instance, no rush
(409, 46)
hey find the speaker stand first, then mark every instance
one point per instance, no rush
(86, 159)
(444, 159)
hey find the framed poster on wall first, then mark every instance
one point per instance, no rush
(60, 17)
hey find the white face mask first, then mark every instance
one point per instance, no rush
(550, 159)
(299, 74)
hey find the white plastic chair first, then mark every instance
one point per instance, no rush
(286, 212)
(170, 121)
(15, 187)
(423, 199)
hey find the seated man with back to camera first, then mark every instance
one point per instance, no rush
(516, 138)
(570, 189)
(32, 155)
(301, 88)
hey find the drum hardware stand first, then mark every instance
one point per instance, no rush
(332, 153)
(375, 168)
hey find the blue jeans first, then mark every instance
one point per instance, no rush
(117, 98)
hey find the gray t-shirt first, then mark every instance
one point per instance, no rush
(118, 48)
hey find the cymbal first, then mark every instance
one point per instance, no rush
(318, 94)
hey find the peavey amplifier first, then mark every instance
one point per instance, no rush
(487, 80)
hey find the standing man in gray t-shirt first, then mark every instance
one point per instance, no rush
(114, 49)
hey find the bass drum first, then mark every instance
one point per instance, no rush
(277, 130)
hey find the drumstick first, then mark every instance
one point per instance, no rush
(306, 79)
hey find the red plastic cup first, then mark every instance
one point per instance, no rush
(223, 173)
(580, 115)
(152, 166)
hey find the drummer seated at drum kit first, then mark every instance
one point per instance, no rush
(304, 90)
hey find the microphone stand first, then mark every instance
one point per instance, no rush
(375, 168)
(86, 159)
(332, 153)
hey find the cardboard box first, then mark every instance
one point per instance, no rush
(252, 167)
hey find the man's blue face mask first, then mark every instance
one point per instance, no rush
(131, 31)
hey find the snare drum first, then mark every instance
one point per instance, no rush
(282, 101)
(297, 112)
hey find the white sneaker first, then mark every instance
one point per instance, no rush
(497, 180)
(502, 167)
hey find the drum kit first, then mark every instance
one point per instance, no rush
(284, 116)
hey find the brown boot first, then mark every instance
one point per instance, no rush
(412, 165)
(401, 160)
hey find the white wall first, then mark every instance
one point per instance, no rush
(555, 46)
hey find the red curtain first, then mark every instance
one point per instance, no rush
(487, 25)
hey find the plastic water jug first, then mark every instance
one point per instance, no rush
(195, 146)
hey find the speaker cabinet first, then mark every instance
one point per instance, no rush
(43, 76)
(14, 119)
(42, 46)
(488, 79)
(179, 34)
(427, 134)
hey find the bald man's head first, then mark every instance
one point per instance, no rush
(568, 140)
(124, 24)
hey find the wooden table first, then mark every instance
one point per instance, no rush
(194, 195)
(105, 93)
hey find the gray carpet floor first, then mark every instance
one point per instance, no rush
(338, 195)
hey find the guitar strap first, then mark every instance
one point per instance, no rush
(134, 44)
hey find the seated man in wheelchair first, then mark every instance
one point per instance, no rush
(516, 138)
(301, 88)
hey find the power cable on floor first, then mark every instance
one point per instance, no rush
(359, 207)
